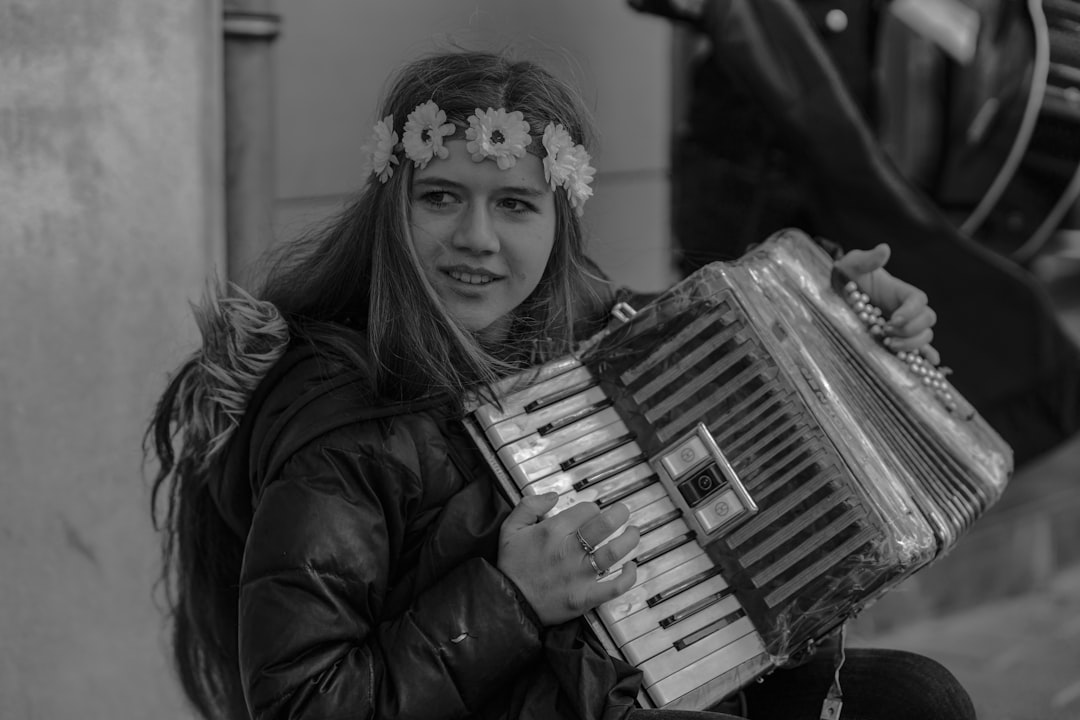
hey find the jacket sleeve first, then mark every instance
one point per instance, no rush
(317, 566)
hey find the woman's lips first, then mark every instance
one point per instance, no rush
(471, 276)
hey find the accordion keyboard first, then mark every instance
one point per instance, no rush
(680, 621)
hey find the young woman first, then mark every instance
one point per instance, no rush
(336, 546)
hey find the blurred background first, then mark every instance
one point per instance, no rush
(146, 144)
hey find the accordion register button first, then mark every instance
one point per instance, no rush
(701, 484)
(684, 457)
(719, 511)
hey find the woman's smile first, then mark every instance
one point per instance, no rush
(473, 277)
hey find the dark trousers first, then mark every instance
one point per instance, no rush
(876, 684)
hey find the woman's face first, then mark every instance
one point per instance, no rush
(483, 235)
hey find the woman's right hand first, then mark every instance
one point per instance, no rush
(549, 564)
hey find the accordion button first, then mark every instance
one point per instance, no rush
(685, 456)
(836, 20)
(720, 511)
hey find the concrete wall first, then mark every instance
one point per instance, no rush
(333, 57)
(109, 219)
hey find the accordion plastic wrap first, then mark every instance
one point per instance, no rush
(784, 467)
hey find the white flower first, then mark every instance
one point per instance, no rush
(557, 165)
(567, 165)
(424, 131)
(381, 148)
(497, 134)
(577, 185)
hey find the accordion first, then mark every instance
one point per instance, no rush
(784, 468)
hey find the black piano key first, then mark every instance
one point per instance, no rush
(573, 417)
(659, 522)
(608, 473)
(558, 396)
(665, 548)
(683, 643)
(595, 452)
(692, 581)
(694, 608)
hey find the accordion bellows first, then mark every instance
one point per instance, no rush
(784, 468)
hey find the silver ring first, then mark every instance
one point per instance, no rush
(589, 549)
(592, 561)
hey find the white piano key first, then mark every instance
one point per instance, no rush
(635, 599)
(673, 673)
(648, 619)
(745, 649)
(660, 639)
(647, 495)
(519, 426)
(535, 444)
(651, 541)
(712, 690)
(647, 515)
(561, 482)
(667, 561)
(553, 378)
(551, 462)
(638, 476)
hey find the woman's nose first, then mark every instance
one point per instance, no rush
(476, 232)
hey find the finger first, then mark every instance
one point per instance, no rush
(924, 320)
(914, 303)
(914, 342)
(573, 517)
(529, 511)
(610, 553)
(599, 527)
(856, 263)
(931, 354)
(612, 586)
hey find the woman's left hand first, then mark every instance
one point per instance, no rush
(910, 318)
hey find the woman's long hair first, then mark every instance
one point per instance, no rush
(355, 289)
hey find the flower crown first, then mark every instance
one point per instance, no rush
(492, 134)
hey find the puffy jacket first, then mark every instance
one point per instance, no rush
(369, 585)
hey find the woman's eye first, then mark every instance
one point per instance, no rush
(517, 206)
(437, 198)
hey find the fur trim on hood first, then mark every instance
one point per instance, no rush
(242, 338)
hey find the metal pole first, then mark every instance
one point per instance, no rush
(250, 28)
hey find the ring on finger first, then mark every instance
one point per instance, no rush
(589, 549)
(592, 561)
